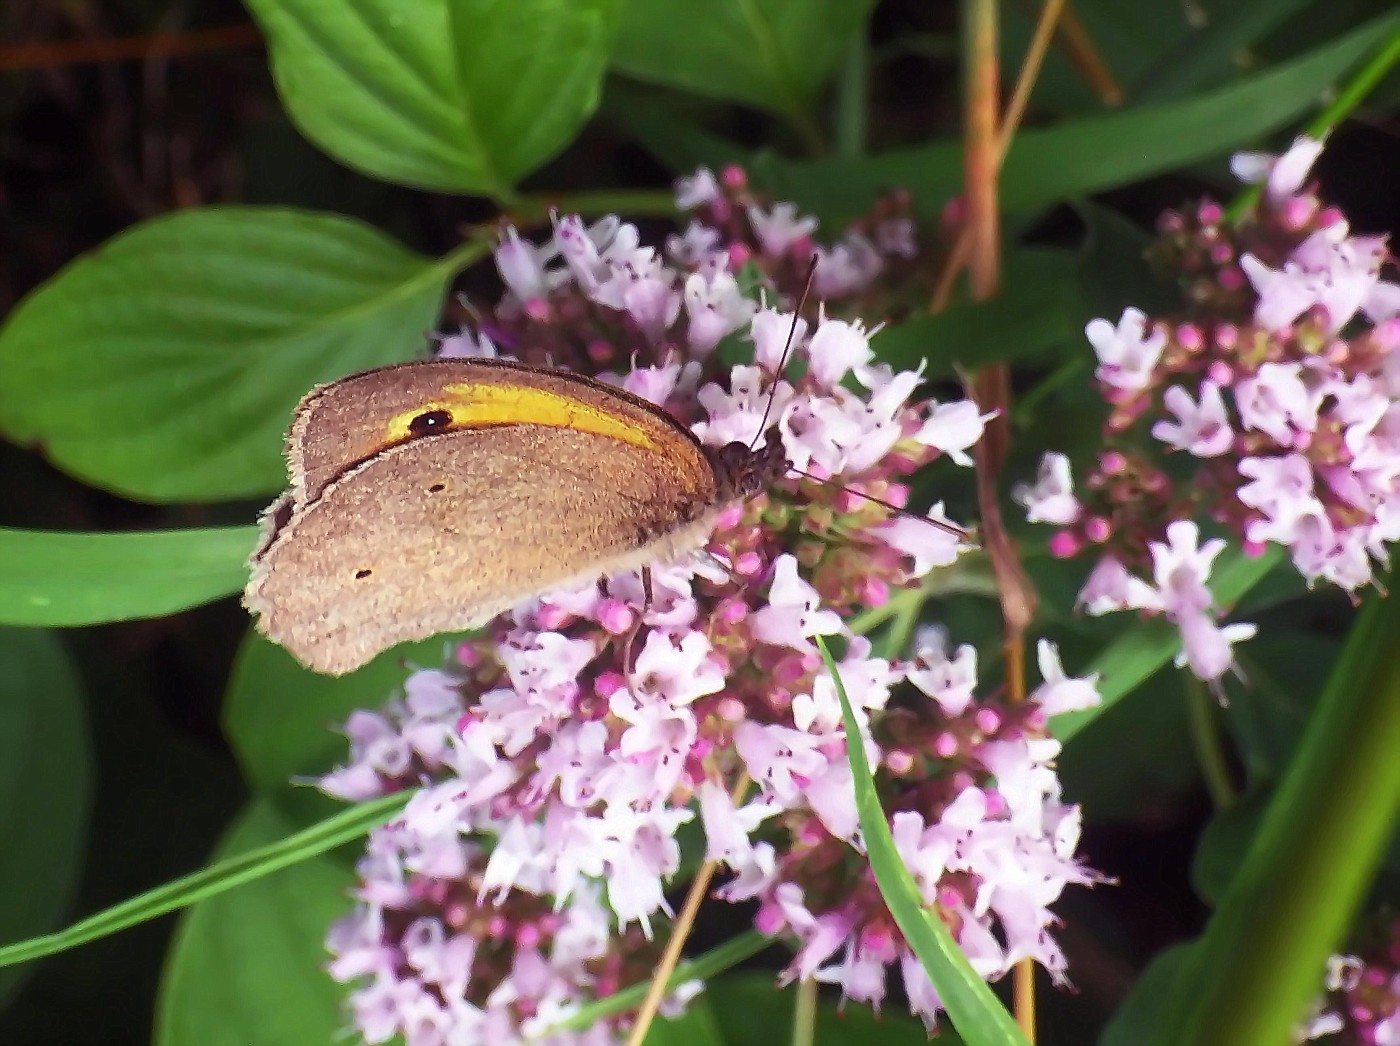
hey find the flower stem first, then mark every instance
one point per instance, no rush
(804, 1016)
(1351, 95)
(1205, 739)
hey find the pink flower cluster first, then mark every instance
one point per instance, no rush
(1281, 386)
(1362, 1004)
(527, 875)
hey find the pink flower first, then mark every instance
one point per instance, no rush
(1282, 491)
(927, 545)
(774, 336)
(1059, 692)
(465, 344)
(698, 248)
(1110, 588)
(1181, 568)
(1284, 174)
(793, 613)
(1128, 354)
(715, 308)
(837, 348)
(1051, 498)
(574, 732)
(1206, 647)
(781, 760)
(522, 266)
(1276, 401)
(1330, 270)
(953, 428)
(1201, 429)
(846, 269)
(697, 190)
(949, 681)
(644, 288)
(779, 229)
(735, 413)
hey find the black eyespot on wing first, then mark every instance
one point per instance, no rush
(429, 422)
(437, 488)
(363, 573)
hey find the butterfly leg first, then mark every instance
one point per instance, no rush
(627, 644)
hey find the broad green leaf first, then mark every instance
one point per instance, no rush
(165, 365)
(1114, 268)
(45, 778)
(1224, 844)
(248, 968)
(455, 95)
(1040, 307)
(1211, 53)
(1286, 668)
(1088, 155)
(243, 865)
(66, 579)
(1126, 36)
(283, 719)
(1319, 844)
(774, 54)
(666, 126)
(1145, 646)
(1146, 1011)
(976, 1014)
(1112, 773)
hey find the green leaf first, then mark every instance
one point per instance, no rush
(1319, 844)
(456, 95)
(697, 1026)
(1286, 668)
(165, 365)
(67, 579)
(1212, 52)
(1144, 647)
(1224, 844)
(248, 968)
(974, 1011)
(774, 54)
(244, 866)
(1089, 155)
(1114, 267)
(45, 783)
(1040, 307)
(1147, 1009)
(667, 127)
(702, 968)
(1111, 773)
(282, 719)
(749, 1007)
(1128, 36)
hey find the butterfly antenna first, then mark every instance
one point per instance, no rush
(943, 525)
(787, 351)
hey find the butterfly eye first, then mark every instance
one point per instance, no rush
(430, 421)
